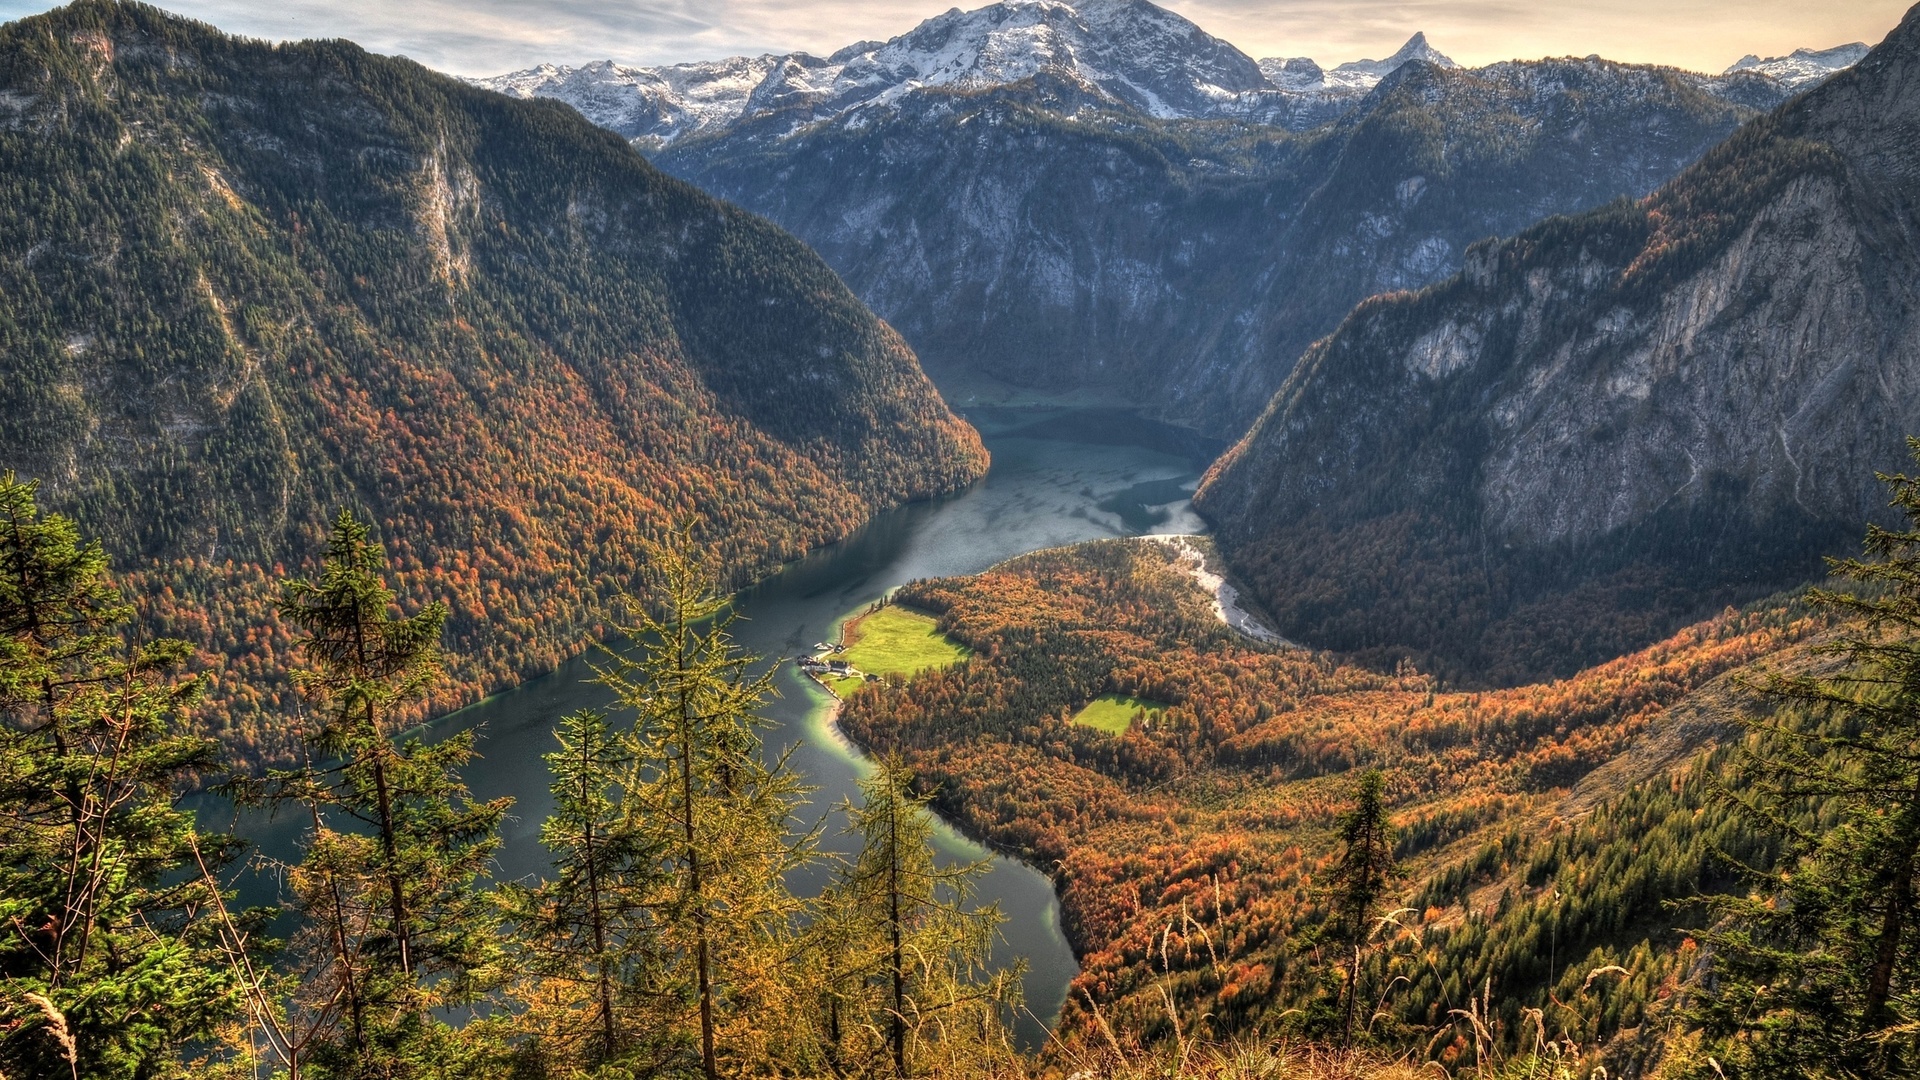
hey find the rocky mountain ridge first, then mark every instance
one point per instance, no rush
(1123, 52)
(1612, 421)
(1359, 75)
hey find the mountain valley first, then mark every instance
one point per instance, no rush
(1192, 849)
(1104, 196)
(1178, 566)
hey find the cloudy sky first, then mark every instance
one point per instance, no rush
(485, 37)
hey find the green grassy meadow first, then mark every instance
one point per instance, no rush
(1114, 713)
(895, 641)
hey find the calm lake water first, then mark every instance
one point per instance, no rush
(1059, 476)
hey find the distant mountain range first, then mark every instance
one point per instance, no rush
(1610, 423)
(1117, 52)
(243, 285)
(1121, 51)
(1102, 195)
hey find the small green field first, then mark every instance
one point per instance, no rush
(1114, 713)
(895, 641)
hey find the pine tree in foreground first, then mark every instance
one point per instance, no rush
(921, 1000)
(1359, 881)
(584, 941)
(722, 820)
(114, 956)
(841, 984)
(396, 924)
(1817, 969)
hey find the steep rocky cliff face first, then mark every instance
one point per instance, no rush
(242, 285)
(1609, 421)
(1102, 195)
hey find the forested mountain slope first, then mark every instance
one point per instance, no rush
(244, 284)
(1612, 422)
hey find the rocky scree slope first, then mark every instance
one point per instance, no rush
(242, 285)
(1610, 422)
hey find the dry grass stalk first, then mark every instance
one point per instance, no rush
(57, 1027)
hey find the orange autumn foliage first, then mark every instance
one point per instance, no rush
(1186, 852)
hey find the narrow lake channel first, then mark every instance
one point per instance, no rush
(1059, 476)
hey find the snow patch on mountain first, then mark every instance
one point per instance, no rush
(1293, 72)
(663, 103)
(1802, 68)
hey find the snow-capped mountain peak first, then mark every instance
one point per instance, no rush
(1366, 73)
(1357, 76)
(1803, 67)
(1127, 51)
(1136, 52)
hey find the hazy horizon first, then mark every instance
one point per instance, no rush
(488, 37)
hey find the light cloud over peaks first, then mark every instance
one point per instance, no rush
(486, 37)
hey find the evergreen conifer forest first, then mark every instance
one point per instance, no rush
(667, 941)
